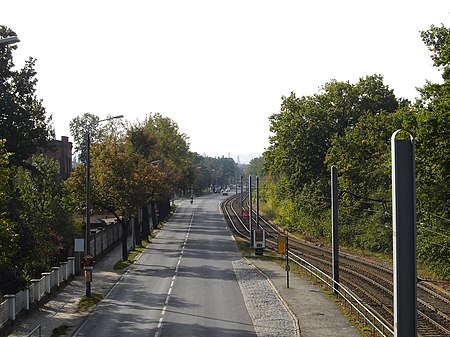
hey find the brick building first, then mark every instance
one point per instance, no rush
(60, 150)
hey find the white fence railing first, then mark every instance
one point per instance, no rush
(12, 305)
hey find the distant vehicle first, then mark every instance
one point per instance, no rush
(224, 193)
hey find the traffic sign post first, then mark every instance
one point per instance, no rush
(88, 266)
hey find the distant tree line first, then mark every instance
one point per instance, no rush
(132, 164)
(350, 126)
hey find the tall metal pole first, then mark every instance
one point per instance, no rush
(288, 268)
(404, 236)
(257, 202)
(242, 191)
(87, 247)
(335, 228)
(250, 210)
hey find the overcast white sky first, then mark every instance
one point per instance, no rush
(217, 68)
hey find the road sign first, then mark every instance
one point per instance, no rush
(281, 245)
(79, 245)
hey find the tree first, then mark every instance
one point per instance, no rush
(437, 39)
(256, 167)
(23, 122)
(35, 221)
(8, 228)
(45, 215)
(79, 128)
(433, 126)
(312, 133)
(121, 182)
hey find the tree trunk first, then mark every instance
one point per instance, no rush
(145, 222)
(154, 219)
(124, 240)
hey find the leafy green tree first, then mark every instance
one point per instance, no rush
(8, 229)
(23, 121)
(312, 133)
(304, 127)
(44, 215)
(433, 126)
(256, 167)
(35, 221)
(79, 127)
(121, 182)
(432, 130)
(158, 139)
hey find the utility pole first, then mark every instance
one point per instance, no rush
(335, 229)
(404, 236)
(257, 202)
(250, 210)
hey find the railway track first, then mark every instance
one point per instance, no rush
(371, 282)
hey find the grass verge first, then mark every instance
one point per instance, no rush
(87, 302)
(132, 255)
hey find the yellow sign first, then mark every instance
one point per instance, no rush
(281, 245)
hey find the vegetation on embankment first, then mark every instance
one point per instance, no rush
(350, 126)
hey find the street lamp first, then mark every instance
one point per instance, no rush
(88, 265)
(9, 40)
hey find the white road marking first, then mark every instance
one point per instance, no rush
(174, 277)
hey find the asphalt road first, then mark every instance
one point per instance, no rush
(182, 285)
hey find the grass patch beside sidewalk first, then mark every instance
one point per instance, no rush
(132, 255)
(87, 302)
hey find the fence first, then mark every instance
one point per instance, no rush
(375, 324)
(12, 305)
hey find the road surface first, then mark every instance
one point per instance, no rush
(182, 285)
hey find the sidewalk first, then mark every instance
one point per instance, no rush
(318, 315)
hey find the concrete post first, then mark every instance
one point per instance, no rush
(11, 307)
(47, 282)
(63, 266)
(37, 289)
(56, 270)
(27, 300)
(71, 260)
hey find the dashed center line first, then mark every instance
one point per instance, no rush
(174, 277)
